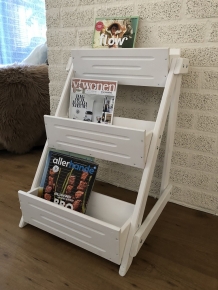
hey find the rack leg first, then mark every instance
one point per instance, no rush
(150, 221)
(124, 267)
(170, 135)
(22, 223)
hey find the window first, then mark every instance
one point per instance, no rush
(23, 27)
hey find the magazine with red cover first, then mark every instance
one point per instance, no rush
(92, 100)
(116, 32)
(68, 180)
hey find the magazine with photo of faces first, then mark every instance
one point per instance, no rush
(117, 32)
(67, 180)
(92, 100)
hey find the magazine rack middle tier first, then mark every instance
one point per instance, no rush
(111, 228)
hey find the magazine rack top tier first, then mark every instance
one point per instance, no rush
(111, 228)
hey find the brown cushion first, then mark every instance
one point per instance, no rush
(24, 100)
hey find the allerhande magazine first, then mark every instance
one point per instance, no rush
(68, 180)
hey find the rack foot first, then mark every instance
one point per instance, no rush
(22, 223)
(124, 267)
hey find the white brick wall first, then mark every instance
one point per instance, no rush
(191, 25)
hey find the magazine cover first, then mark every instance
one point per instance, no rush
(68, 180)
(118, 32)
(92, 100)
(80, 156)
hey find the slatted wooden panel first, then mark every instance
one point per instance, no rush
(91, 234)
(108, 142)
(138, 66)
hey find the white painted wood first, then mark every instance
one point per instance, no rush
(38, 176)
(182, 65)
(109, 142)
(111, 228)
(170, 135)
(149, 222)
(128, 263)
(137, 124)
(134, 124)
(69, 63)
(109, 209)
(123, 236)
(92, 234)
(62, 110)
(129, 66)
(149, 168)
(40, 168)
(22, 223)
(174, 53)
(113, 211)
(63, 106)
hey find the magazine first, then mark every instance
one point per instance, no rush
(80, 156)
(92, 100)
(117, 32)
(68, 180)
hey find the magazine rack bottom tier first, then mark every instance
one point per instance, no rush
(102, 230)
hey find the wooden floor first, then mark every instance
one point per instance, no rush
(181, 251)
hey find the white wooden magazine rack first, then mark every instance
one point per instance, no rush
(111, 228)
